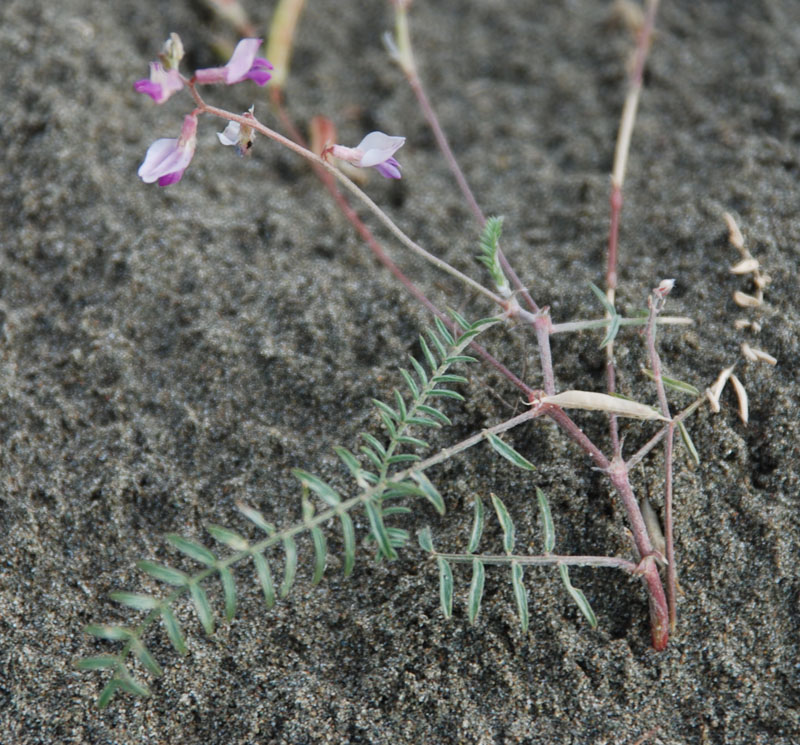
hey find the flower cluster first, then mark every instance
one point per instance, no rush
(167, 158)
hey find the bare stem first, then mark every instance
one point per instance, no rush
(382, 256)
(611, 562)
(656, 303)
(412, 245)
(404, 56)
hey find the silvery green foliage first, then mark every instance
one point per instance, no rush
(384, 473)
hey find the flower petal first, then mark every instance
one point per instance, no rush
(242, 60)
(230, 135)
(389, 169)
(378, 147)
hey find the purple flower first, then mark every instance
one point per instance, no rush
(161, 84)
(374, 151)
(243, 65)
(168, 158)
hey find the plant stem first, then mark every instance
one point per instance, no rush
(412, 245)
(611, 562)
(376, 248)
(405, 58)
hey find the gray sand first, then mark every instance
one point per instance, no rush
(166, 352)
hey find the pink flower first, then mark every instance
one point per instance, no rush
(161, 84)
(243, 65)
(374, 151)
(168, 158)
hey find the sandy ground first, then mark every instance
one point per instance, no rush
(166, 352)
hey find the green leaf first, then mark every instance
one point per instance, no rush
(433, 365)
(164, 574)
(509, 453)
(389, 424)
(373, 457)
(229, 591)
(460, 320)
(100, 662)
(401, 405)
(445, 587)
(476, 590)
(385, 409)
(673, 383)
(687, 441)
(113, 633)
(603, 298)
(256, 518)
(444, 332)
(547, 522)
(229, 537)
(144, 656)
(412, 386)
(349, 540)
(320, 554)
(324, 491)
(290, 566)
(578, 596)
(434, 414)
(192, 550)
(173, 629)
(425, 540)
(412, 441)
(420, 371)
(107, 693)
(401, 458)
(430, 491)
(448, 378)
(379, 532)
(136, 601)
(437, 342)
(349, 460)
(422, 421)
(446, 393)
(129, 684)
(613, 330)
(520, 595)
(506, 523)
(265, 578)
(477, 526)
(201, 605)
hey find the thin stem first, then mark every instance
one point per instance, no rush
(601, 323)
(657, 300)
(611, 562)
(617, 180)
(251, 121)
(382, 256)
(639, 455)
(404, 56)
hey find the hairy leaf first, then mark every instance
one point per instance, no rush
(164, 574)
(509, 453)
(445, 587)
(229, 537)
(136, 601)
(476, 590)
(201, 605)
(192, 550)
(547, 522)
(256, 517)
(324, 491)
(506, 523)
(173, 629)
(578, 596)
(265, 578)
(520, 595)
(290, 566)
(477, 526)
